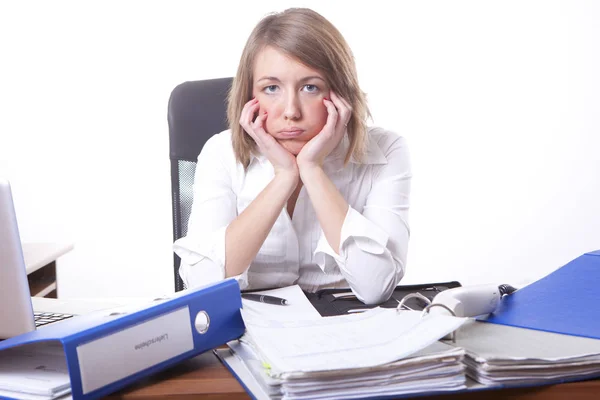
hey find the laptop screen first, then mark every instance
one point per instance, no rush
(16, 313)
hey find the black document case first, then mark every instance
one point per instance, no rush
(330, 302)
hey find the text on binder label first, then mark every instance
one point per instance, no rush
(147, 343)
(119, 355)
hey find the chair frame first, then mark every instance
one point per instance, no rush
(196, 112)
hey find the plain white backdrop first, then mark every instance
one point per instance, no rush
(499, 102)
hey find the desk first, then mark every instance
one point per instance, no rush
(204, 377)
(40, 263)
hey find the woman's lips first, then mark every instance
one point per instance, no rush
(288, 134)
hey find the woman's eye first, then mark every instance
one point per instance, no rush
(270, 89)
(311, 88)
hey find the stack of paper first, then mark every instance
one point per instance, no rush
(436, 368)
(34, 372)
(499, 354)
(380, 352)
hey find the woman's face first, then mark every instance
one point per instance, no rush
(292, 95)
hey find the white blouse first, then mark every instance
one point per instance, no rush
(374, 236)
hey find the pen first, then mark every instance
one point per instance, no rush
(264, 299)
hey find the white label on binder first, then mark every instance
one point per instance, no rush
(134, 349)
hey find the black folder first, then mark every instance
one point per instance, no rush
(330, 302)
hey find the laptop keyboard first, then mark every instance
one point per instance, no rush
(45, 318)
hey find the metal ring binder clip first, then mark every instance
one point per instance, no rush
(426, 311)
(411, 296)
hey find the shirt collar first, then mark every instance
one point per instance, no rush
(261, 158)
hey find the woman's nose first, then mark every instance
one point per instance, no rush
(292, 108)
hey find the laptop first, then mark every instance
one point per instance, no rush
(19, 312)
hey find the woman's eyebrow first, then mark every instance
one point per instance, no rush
(275, 79)
(308, 78)
(269, 78)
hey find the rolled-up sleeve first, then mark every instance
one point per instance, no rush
(202, 250)
(373, 245)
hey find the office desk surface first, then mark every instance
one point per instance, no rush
(37, 255)
(204, 377)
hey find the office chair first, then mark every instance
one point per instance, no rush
(196, 111)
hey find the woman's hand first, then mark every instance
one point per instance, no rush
(314, 152)
(282, 160)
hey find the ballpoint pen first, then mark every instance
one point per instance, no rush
(265, 299)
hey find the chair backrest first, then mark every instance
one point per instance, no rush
(196, 111)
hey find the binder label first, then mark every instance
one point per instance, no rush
(119, 355)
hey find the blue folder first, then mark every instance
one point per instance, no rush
(106, 351)
(565, 301)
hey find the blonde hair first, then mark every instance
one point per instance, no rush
(308, 37)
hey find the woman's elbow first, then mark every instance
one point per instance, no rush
(373, 299)
(381, 286)
(202, 273)
(377, 291)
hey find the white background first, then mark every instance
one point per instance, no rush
(499, 101)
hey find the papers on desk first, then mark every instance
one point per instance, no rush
(373, 353)
(34, 372)
(368, 339)
(499, 354)
(436, 368)
(379, 352)
(298, 308)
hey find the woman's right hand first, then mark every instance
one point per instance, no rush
(282, 160)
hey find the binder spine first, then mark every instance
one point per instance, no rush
(89, 357)
(153, 342)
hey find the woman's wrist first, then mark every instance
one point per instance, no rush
(308, 169)
(288, 178)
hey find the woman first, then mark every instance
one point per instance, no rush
(299, 190)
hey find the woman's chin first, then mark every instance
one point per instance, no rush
(293, 146)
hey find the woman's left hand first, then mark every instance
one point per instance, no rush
(314, 152)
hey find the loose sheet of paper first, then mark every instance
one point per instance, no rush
(298, 307)
(375, 337)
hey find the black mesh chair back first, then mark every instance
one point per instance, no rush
(197, 110)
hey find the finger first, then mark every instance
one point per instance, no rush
(343, 101)
(247, 117)
(246, 123)
(258, 124)
(344, 109)
(248, 111)
(247, 114)
(332, 115)
(267, 142)
(258, 127)
(248, 105)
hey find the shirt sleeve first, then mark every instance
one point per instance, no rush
(373, 245)
(202, 250)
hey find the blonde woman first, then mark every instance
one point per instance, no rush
(299, 190)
